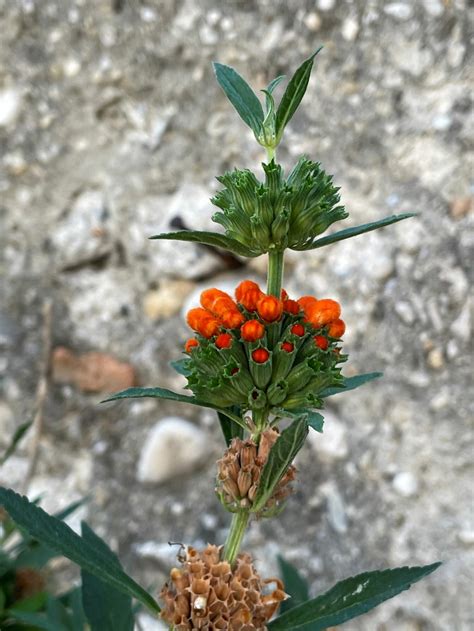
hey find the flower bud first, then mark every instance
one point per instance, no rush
(252, 330)
(321, 342)
(224, 340)
(209, 297)
(291, 306)
(203, 322)
(298, 329)
(190, 344)
(323, 312)
(248, 294)
(337, 328)
(270, 308)
(306, 303)
(260, 355)
(288, 347)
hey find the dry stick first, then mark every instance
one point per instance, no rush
(41, 392)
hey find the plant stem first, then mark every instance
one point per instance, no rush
(235, 536)
(271, 153)
(275, 272)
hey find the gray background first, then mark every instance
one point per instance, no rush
(111, 125)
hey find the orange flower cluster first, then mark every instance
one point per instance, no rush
(219, 311)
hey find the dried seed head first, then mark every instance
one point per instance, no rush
(209, 595)
(239, 471)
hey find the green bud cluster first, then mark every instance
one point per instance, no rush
(278, 213)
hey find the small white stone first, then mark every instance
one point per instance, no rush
(326, 5)
(399, 10)
(313, 21)
(147, 623)
(405, 311)
(466, 537)
(337, 515)
(435, 359)
(461, 327)
(173, 446)
(147, 14)
(332, 443)
(434, 7)
(405, 484)
(10, 106)
(350, 29)
(71, 67)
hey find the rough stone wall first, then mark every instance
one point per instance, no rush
(111, 127)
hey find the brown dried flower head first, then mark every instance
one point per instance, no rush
(239, 471)
(207, 594)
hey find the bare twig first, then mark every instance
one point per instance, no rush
(41, 392)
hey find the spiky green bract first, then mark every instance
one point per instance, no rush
(277, 213)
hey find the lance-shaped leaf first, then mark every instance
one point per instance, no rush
(351, 383)
(313, 419)
(295, 585)
(163, 393)
(230, 428)
(280, 458)
(293, 94)
(209, 238)
(241, 95)
(350, 598)
(106, 608)
(180, 365)
(347, 233)
(58, 536)
(17, 436)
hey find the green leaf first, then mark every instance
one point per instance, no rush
(350, 598)
(37, 620)
(163, 393)
(180, 365)
(293, 94)
(230, 428)
(58, 536)
(106, 608)
(17, 436)
(310, 417)
(281, 456)
(31, 604)
(351, 383)
(275, 82)
(295, 585)
(209, 238)
(353, 232)
(241, 95)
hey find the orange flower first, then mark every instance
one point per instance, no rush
(298, 329)
(269, 308)
(224, 340)
(284, 295)
(323, 312)
(203, 322)
(209, 297)
(291, 306)
(260, 355)
(248, 294)
(190, 344)
(337, 328)
(252, 330)
(321, 342)
(288, 347)
(306, 302)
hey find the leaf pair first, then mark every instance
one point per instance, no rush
(348, 599)
(268, 128)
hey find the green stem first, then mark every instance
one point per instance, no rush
(235, 536)
(275, 272)
(271, 153)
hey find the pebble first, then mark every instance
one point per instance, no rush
(7, 423)
(461, 206)
(82, 236)
(461, 327)
(147, 623)
(405, 484)
(434, 7)
(313, 21)
(91, 372)
(167, 300)
(350, 29)
(435, 359)
(331, 445)
(10, 106)
(466, 537)
(173, 447)
(399, 10)
(326, 5)
(337, 515)
(405, 311)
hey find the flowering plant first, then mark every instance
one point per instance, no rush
(265, 362)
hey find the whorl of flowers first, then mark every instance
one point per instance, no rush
(261, 352)
(209, 594)
(277, 213)
(239, 471)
